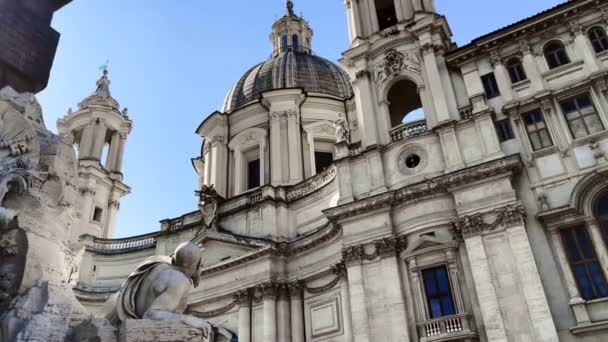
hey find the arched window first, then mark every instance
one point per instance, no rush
(516, 70)
(601, 214)
(404, 103)
(556, 55)
(284, 43)
(296, 42)
(599, 40)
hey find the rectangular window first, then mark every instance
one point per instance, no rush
(253, 174)
(323, 160)
(583, 262)
(386, 13)
(581, 116)
(505, 132)
(537, 130)
(490, 86)
(97, 214)
(438, 292)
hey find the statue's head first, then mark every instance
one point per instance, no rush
(188, 258)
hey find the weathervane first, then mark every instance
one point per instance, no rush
(104, 67)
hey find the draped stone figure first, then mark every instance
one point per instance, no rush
(158, 290)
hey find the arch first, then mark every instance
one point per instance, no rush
(403, 98)
(598, 38)
(555, 53)
(587, 191)
(248, 138)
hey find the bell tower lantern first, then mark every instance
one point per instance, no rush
(98, 131)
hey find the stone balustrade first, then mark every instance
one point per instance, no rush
(113, 246)
(443, 327)
(408, 130)
(311, 184)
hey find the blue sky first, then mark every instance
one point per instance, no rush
(172, 63)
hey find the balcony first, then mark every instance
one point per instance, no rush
(448, 328)
(408, 130)
(117, 246)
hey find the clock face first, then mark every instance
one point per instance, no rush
(411, 160)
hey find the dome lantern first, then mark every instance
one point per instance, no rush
(290, 33)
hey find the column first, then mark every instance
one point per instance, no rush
(504, 85)
(532, 288)
(276, 149)
(346, 308)
(576, 301)
(113, 207)
(243, 298)
(239, 172)
(394, 302)
(218, 162)
(311, 147)
(356, 288)
(283, 314)
(295, 149)
(113, 153)
(86, 141)
(583, 47)
(99, 139)
(122, 141)
(269, 292)
(354, 19)
(531, 67)
(263, 162)
(297, 312)
(366, 113)
(442, 111)
(373, 16)
(207, 170)
(486, 293)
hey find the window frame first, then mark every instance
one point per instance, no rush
(581, 115)
(491, 89)
(555, 55)
(515, 67)
(500, 130)
(537, 129)
(584, 261)
(97, 209)
(248, 176)
(439, 296)
(602, 40)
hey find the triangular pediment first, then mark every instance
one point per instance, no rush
(219, 247)
(429, 243)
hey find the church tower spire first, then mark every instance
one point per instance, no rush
(98, 131)
(290, 33)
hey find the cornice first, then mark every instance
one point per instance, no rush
(438, 185)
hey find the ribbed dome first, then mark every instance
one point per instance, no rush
(289, 70)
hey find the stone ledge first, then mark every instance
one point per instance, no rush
(589, 328)
(143, 330)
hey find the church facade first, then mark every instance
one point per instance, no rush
(419, 191)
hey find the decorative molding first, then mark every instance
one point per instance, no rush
(373, 250)
(476, 224)
(215, 312)
(394, 63)
(324, 288)
(295, 288)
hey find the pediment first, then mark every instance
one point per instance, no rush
(429, 243)
(215, 252)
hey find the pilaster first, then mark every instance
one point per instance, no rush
(297, 312)
(442, 110)
(366, 111)
(243, 299)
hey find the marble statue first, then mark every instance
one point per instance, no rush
(158, 290)
(342, 132)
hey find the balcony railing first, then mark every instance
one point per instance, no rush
(408, 130)
(112, 246)
(444, 327)
(311, 184)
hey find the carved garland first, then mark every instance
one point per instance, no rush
(475, 224)
(379, 248)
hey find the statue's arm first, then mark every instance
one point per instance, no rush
(166, 307)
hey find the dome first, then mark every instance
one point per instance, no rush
(291, 69)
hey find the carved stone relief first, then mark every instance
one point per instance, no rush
(394, 63)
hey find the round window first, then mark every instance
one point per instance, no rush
(412, 161)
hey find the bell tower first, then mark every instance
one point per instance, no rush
(98, 131)
(397, 65)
